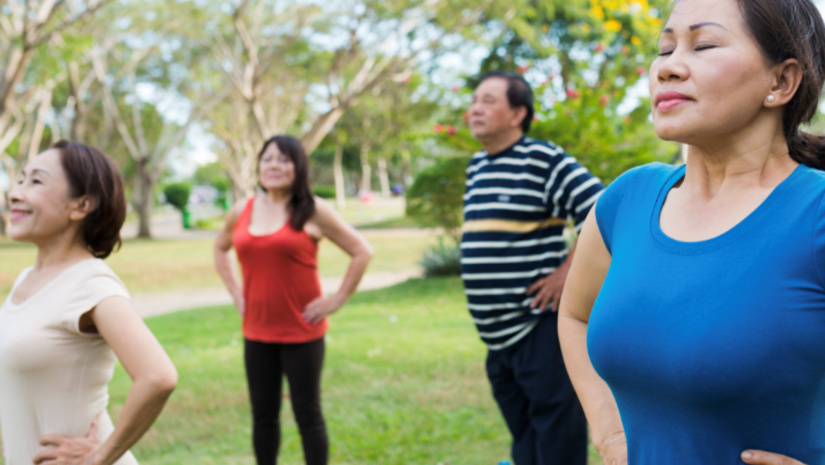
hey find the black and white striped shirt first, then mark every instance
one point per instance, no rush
(516, 206)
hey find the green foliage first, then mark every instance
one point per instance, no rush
(590, 129)
(436, 197)
(325, 192)
(213, 174)
(177, 194)
(442, 259)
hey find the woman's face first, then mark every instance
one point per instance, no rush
(41, 206)
(711, 79)
(275, 169)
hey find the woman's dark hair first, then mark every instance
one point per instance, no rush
(519, 94)
(787, 29)
(302, 203)
(93, 174)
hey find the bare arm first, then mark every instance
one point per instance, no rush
(584, 282)
(223, 260)
(153, 379)
(353, 244)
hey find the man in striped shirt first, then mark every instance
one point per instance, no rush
(520, 194)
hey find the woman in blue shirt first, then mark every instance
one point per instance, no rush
(693, 319)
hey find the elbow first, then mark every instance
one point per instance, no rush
(164, 383)
(368, 252)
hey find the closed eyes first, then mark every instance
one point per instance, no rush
(697, 49)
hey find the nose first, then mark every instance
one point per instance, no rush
(15, 195)
(672, 68)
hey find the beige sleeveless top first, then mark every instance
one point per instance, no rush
(53, 377)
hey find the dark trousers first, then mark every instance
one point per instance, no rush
(533, 391)
(266, 364)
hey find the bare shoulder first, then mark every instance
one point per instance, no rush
(236, 210)
(324, 212)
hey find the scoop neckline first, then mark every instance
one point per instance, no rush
(249, 221)
(13, 307)
(674, 245)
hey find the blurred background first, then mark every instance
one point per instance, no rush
(182, 94)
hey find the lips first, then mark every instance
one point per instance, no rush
(18, 214)
(668, 100)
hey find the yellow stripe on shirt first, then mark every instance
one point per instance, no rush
(510, 226)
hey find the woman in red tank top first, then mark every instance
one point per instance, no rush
(275, 235)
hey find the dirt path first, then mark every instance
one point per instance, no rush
(159, 303)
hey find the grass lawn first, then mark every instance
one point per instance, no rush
(151, 266)
(404, 383)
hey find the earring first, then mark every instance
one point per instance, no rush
(771, 98)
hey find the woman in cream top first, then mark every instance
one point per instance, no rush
(69, 318)
(53, 376)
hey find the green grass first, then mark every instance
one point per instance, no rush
(157, 265)
(406, 392)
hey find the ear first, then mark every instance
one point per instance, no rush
(81, 207)
(518, 116)
(787, 77)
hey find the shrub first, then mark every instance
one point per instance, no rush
(443, 259)
(325, 192)
(177, 194)
(436, 198)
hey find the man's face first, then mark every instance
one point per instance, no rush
(490, 114)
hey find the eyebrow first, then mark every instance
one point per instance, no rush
(695, 27)
(40, 170)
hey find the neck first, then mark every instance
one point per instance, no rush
(61, 250)
(758, 158)
(280, 196)
(497, 143)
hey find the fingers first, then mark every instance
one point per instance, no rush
(44, 455)
(92, 434)
(543, 298)
(556, 302)
(534, 287)
(760, 457)
(52, 440)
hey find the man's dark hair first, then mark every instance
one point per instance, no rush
(519, 94)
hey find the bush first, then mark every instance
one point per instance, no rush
(436, 198)
(443, 259)
(325, 192)
(177, 194)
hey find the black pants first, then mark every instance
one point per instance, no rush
(535, 395)
(265, 366)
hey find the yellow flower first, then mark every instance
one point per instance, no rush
(636, 41)
(597, 12)
(613, 25)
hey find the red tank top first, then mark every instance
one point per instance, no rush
(280, 277)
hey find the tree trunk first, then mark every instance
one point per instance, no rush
(384, 177)
(39, 125)
(338, 169)
(3, 215)
(144, 197)
(406, 167)
(366, 170)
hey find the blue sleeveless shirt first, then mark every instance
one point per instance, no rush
(714, 347)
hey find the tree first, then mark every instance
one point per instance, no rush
(353, 49)
(435, 197)
(150, 142)
(583, 57)
(26, 28)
